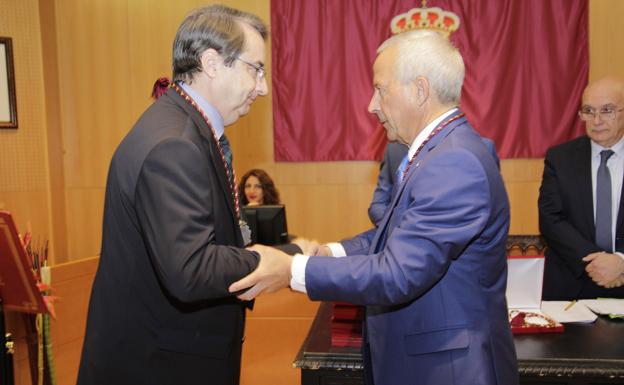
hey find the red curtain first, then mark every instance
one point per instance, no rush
(526, 67)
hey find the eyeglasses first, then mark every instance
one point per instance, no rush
(258, 68)
(605, 113)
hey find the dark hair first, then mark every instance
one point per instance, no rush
(270, 195)
(217, 27)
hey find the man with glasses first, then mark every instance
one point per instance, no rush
(581, 212)
(160, 310)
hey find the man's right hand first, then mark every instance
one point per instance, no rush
(272, 274)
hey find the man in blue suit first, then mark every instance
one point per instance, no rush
(433, 273)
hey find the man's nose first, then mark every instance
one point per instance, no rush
(262, 87)
(373, 106)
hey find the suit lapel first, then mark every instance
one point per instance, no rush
(583, 165)
(379, 239)
(213, 151)
(423, 153)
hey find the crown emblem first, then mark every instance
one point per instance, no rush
(435, 18)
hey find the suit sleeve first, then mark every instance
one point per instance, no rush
(360, 243)
(448, 205)
(382, 194)
(175, 205)
(560, 235)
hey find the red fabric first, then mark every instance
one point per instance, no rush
(161, 85)
(526, 67)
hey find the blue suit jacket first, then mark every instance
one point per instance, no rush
(433, 274)
(386, 180)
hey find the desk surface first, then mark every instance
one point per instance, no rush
(583, 350)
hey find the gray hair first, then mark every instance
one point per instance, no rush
(428, 54)
(217, 27)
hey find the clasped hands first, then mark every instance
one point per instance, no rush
(274, 269)
(605, 269)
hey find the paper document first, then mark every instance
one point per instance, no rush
(610, 306)
(578, 312)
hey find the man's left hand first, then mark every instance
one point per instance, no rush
(604, 268)
(619, 281)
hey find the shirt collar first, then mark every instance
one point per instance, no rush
(213, 115)
(422, 135)
(617, 148)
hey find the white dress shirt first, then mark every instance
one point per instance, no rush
(615, 164)
(300, 261)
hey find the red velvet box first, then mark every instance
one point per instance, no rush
(346, 325)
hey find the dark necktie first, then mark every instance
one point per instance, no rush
(603, 204)
(227, 153)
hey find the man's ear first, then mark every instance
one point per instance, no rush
(210, 61)
(422, 90)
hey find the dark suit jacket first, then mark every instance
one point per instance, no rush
(160, 311)
(433, 274)
(566, 217)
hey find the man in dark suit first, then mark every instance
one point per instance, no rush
(160, 310)
(433, 273)
(581, 212)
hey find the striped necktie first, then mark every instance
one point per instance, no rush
(227, 153)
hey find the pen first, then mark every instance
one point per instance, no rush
(568, 306)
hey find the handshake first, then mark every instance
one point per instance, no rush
(274, 269)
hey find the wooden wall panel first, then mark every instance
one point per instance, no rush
(606, 33)
(49, 54)
(93, 66)
(152, 30)
(84, 221)
(522, 178)
(72, 284)
(339, 210)
(30, 211)
(24, 185)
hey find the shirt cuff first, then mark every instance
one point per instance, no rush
(337, 249)
(619, 254)
(297, 271)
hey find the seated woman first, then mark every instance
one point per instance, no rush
(257, 188)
